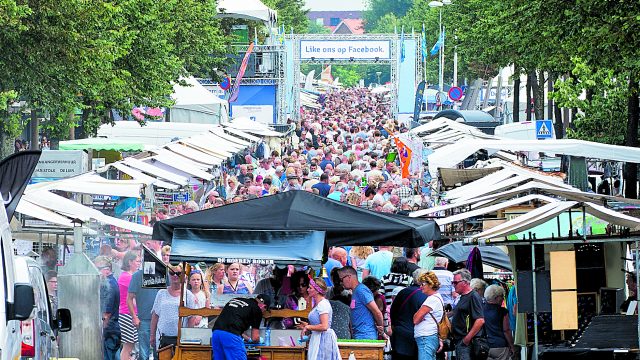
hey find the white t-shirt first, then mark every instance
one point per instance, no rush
(166, 307)
(197, 301)
(427, 326)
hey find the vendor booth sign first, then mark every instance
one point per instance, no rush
(248, 246)
(345, 49)
(259, 113)
(61, 164)
(154, 271)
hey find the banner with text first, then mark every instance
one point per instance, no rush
(345, 49)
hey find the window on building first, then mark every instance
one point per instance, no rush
(334, 21)
(320, 21)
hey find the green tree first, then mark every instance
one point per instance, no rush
(315, 28)
(601, 116)
(377, 9)
(95, 56)
(291, 14)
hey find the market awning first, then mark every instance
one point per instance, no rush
(491, 255)
(451, 177)
(248, 246)
(101, 144)
(300, 210)
(449, 156)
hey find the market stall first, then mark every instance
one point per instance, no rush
(281, 248)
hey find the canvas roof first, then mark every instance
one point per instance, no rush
(300, 210)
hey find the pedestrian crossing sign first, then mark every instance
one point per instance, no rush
(544, 129)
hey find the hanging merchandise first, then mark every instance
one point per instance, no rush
(474, 263)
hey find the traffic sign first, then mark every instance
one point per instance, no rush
(438, 101)
(181, 197)
(455, 93)
(544, 129)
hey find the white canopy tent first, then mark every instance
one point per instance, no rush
(451, 155)
(195, 104)
(246, 9)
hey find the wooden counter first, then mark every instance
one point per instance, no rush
(362, 351)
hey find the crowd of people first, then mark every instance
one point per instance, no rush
(343, 151)
(367, 294)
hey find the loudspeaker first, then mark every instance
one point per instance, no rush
(525, 291)
(523, 257)
(610, 300)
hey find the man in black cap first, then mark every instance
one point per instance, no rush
(236, 317)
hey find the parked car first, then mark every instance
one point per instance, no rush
(39, 333)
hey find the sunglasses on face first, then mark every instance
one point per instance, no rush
(175, 273)
(456, 282)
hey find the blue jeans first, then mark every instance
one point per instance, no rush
(227, 346)
(427, 347)
(144, 339)
(111, 346)
(463, 352)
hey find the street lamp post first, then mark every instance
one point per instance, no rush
(378, 73)
(440, 5)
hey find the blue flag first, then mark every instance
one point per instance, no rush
(423, 44)
(438, 44)
(402, 45)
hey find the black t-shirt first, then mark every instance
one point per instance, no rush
(470, 305)
(413, 267)
(402, 339)
(238, 315)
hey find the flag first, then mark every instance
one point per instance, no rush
(281, 34)
(243, 67)
(404, 154)
(423, 44)
(325, 75)
(418, 103)
(402, 45)
(15, 173)
(436, 47)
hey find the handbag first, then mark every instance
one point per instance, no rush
(479, 344)
(167, 340)
(444, 326)
(479, 348)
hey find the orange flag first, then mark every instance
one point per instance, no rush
(404, 153)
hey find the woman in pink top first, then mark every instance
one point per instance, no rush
(129, 333)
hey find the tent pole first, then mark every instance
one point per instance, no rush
(637, 280)
(535, 302)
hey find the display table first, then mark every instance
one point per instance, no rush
(283, 352)
(193, 352)
(362, 351)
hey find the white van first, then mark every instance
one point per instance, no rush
(39, 334)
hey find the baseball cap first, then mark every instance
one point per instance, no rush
(259, 178)
(279, 168)
(265, 299)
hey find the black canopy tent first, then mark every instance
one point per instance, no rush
(343, 224)
(491, 255)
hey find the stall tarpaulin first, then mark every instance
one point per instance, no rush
(491, 255)
(300, 210)
(15, 172)
(248, 246)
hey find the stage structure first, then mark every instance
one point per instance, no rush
(374, 49)
(262, 90)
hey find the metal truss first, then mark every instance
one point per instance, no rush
(392, 62)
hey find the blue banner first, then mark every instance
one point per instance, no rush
(418, 105)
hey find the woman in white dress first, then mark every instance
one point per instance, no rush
(323, 343)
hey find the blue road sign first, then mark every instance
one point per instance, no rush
(181, 197)
(544, 129)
